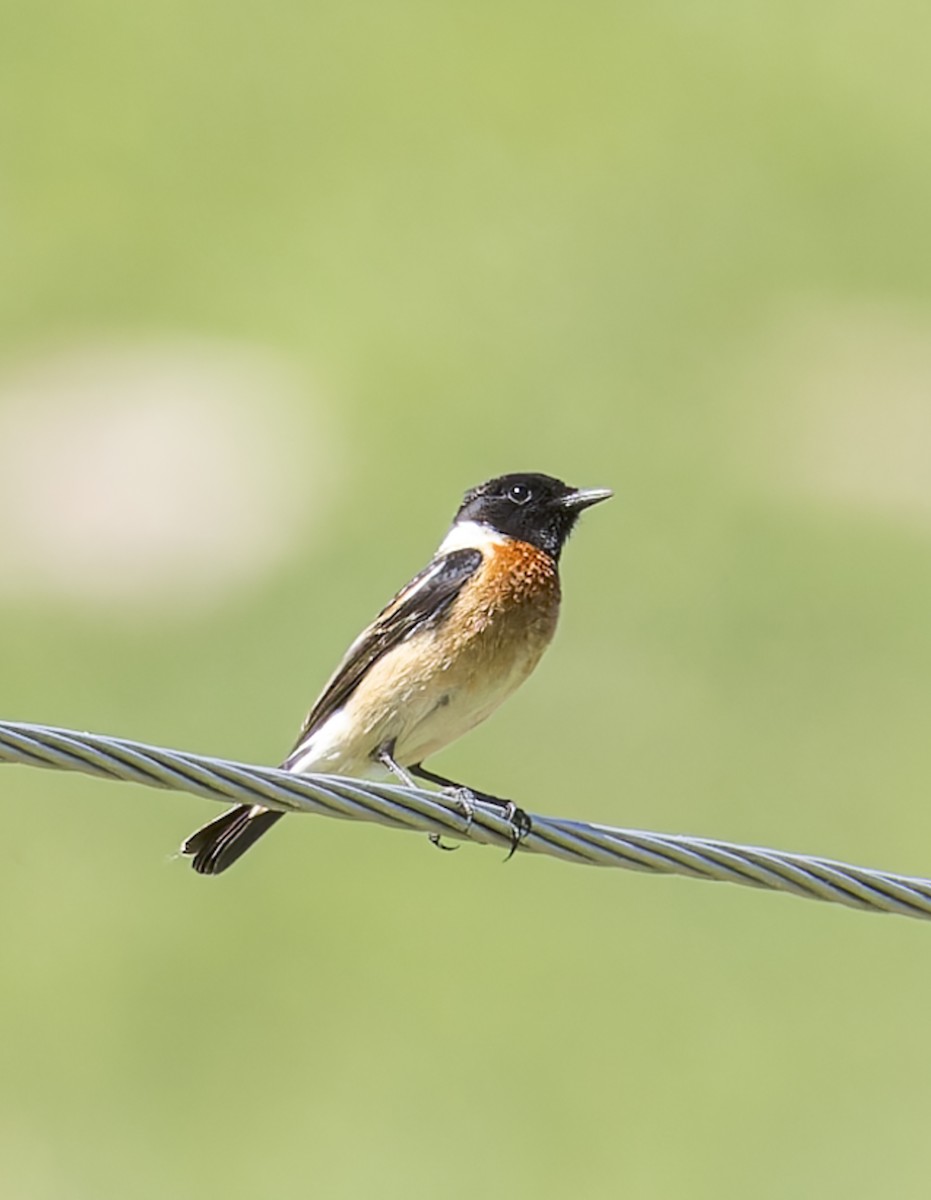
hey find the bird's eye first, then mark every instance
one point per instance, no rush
(519, 493)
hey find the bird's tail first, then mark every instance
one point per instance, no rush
(218, 844)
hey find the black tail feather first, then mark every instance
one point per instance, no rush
(217, 845)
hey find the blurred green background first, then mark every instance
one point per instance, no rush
(277, 282)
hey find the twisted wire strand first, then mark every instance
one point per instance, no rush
(433, 812)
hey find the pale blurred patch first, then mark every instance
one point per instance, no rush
(159, 475)
(847, 421)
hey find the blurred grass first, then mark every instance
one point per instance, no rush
(504, 238)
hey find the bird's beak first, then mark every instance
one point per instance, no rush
(585, 498)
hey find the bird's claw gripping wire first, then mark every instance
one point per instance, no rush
(466, 798)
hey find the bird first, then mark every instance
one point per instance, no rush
(439, 658)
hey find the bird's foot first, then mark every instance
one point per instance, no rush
(520, 823)
(464, 799)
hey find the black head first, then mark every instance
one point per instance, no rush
(532, 508)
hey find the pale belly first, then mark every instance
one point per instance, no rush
(420, 701)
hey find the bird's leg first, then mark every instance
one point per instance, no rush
(511, 810)
(385, 755)
(464, 796)
(518, 819)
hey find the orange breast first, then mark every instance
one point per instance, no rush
(514, 598)
(518, 573)
(446, 682)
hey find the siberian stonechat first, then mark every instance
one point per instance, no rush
(438, 659)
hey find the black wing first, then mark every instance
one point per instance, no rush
(421, 603)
